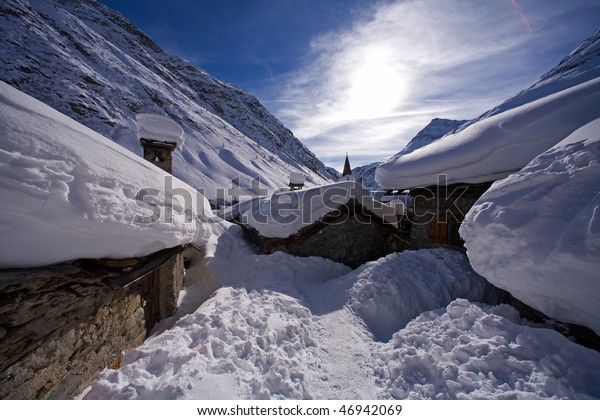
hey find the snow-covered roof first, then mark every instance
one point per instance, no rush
(286, 212)
(68, 192)
(496, 146)
(159, 128)
(537, 232)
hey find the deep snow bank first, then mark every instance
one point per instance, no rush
(537, 233)
(471, 351)
(68, 192)
(390, 292)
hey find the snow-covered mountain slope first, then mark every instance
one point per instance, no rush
(365, 175)
(90, 63)
(437, 128)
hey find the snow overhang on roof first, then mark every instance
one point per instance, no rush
(497, 146)
(159, 128)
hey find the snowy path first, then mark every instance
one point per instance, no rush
(345, 359)
(283, 327)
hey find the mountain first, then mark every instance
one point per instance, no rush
(95, 66)
(366, 175)
(581, 65)
(496, 146)
(437, 128)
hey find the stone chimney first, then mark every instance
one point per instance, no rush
(159, 136)
(159, 153)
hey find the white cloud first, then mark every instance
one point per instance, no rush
(367, 90)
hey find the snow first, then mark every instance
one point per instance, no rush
(436, 128)
(286, 212)
(297, 178)
(159, 128)
(474, 351)
(92, 64)
(497, 146)
(387, 302)
(68, 192)
(284, 327)
(537, 232)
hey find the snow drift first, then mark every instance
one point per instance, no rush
(537, 232)
(284, 327)
(473, 351)
(388, 293)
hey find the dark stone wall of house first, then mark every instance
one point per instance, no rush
(350, 235)
(352, 243)
(61, 325)
(438, 212)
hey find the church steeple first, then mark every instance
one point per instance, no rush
(347, 170)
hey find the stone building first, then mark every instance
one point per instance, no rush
(61, 325)
(340, 222)
(438, 211)
(351, 235)
(67, 311)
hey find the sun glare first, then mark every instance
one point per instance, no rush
(377, 85)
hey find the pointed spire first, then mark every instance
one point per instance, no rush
(347, 170)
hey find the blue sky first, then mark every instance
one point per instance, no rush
(364, 76)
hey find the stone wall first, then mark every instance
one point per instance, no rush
(350, 235)
(61, 325)
(438, 212)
